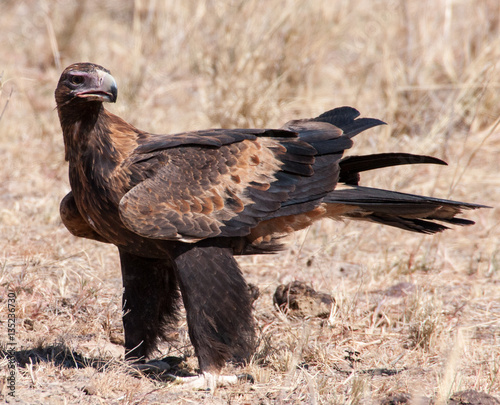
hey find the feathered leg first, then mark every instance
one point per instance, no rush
(150, 302)
(218, 306)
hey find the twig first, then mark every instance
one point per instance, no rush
(8, 97)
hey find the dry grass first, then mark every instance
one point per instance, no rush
(429, 68)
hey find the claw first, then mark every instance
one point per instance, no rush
(246, 378)
(209, 381)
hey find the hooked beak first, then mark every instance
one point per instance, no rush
(104, 89)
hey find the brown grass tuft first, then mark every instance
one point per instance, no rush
(424, 317)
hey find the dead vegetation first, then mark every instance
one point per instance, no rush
(414, 314)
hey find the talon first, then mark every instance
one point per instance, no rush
(156, 368)
(245, 377)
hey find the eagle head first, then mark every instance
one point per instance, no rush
(85, 82)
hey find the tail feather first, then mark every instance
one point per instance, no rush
(351, 166)
(413, 224)
(406, 211)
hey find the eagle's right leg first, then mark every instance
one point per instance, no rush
(150, 302)
(218, 309)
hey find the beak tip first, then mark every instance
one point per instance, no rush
(114, 94)
(109, 83)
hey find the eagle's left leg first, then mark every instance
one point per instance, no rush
(150, 302)
(218, 308)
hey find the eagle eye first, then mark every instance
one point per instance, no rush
(77, 79)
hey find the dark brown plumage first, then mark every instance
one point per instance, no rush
(179, 207)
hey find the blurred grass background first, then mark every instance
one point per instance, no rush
(429, 69)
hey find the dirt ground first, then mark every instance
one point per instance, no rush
(415, 316)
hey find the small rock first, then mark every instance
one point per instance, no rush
(468, 397)
(405, 398)
(400, 289)
(398, 399)
(90, 389)
(472, 397)
(254, 292)
(299, 299)
(117, 338)
(29, 324)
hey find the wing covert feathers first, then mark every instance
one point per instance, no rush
(223, 191)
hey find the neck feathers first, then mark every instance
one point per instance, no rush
(96, 134)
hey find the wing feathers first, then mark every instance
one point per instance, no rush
(226, 182)
(211, 137)
(345, 119)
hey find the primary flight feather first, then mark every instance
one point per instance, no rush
(180, 207)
